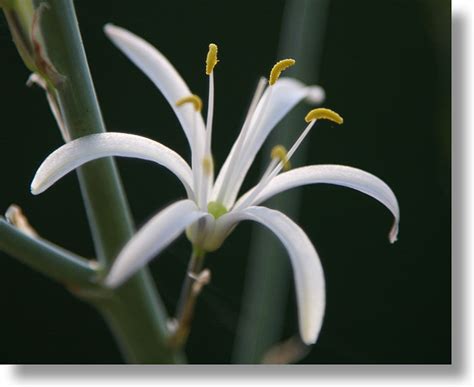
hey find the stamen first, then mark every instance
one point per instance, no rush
(207, 175)
(210, 114)
(278, 68)
(300, 139)
(325, 114)
(211, 59)
(208, 165)
(194, 99)
(274, 75)
(279, 152)
(194, 156)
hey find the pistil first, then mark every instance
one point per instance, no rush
(207, 176)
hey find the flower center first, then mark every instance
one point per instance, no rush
(216, 209)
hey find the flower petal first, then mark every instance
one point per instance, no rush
(162, 73)
(334, 174)
(75, 153)
(285, 94)
(153, 237)
(307, 269)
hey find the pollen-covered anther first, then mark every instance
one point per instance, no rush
(278, 68)
(194, 99)
(324, 114)
(208, 165)
(211, 59)
(279, 152)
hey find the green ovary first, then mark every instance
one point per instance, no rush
(216, 209)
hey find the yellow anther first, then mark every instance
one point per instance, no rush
(278, 68)
(211, 59)
(324, 114)
(194, 99)
(279, 152)
(208, 165)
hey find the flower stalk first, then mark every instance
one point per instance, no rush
(195, 279)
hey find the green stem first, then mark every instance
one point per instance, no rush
(136, 316)
(268, 273)
(104, 197)
(45, 257)
(80, 276)
(134, 311)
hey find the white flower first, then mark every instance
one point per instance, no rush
(212, 210)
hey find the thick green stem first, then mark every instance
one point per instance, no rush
(80, 276)
(102, 191)
(134, 311)
(268, 275)
(136, 316)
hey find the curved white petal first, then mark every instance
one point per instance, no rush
(77, 152)
(162, 73)
(334, 174)
(285, 94)
(307, 269)
(153, 237)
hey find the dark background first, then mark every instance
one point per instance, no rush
(386, 70)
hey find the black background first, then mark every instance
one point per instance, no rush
(385, 69)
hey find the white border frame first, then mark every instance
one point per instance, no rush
(460, 373)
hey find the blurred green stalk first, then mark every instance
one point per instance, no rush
(54, 49)
(269, 272)
(43, 256)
